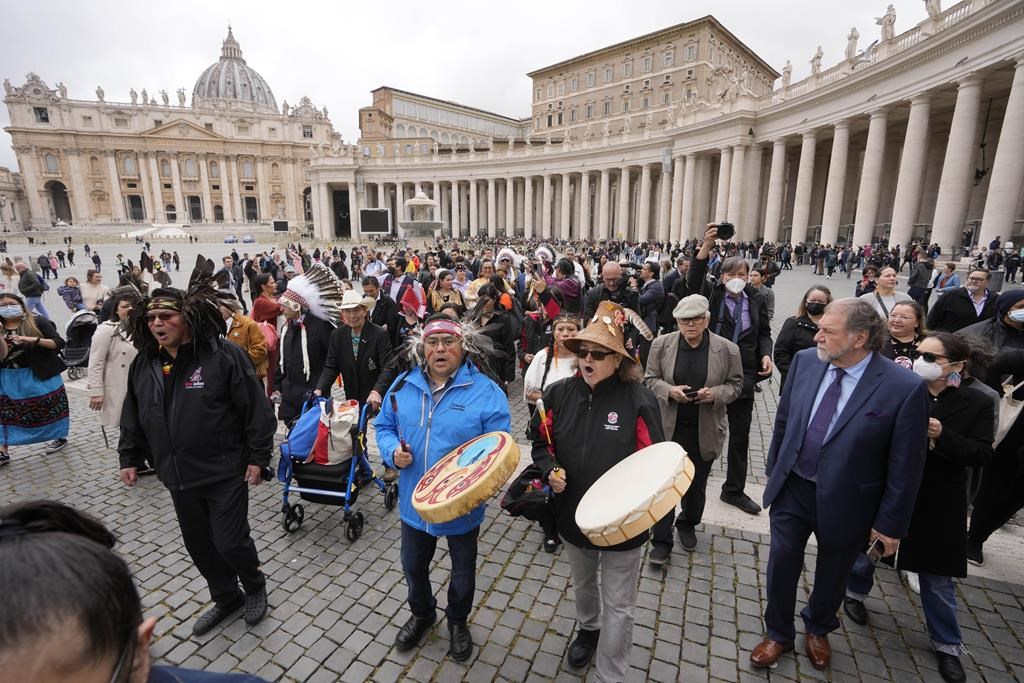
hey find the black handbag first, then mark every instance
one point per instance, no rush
(529, 496)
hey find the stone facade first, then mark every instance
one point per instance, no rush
(230, 157)
(918, 136)
(13, 207)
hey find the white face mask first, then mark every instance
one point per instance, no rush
(1017, 316)
(927, 371)
(735, 285)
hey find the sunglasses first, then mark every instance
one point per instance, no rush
(929, 357)
(593, 353)
(162, 316)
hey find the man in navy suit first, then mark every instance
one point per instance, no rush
(845, 463)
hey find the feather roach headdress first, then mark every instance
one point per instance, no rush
(319, 291)
(199, 305)
(477, 347)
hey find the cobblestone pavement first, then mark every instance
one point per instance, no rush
(336, 606)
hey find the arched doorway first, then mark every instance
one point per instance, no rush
(60, 207)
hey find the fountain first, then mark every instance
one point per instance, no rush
(422, 230)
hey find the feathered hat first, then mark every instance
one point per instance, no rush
(607, 328)
(318, 290)
(199, 305)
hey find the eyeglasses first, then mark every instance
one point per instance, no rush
(691, 322)
(446, 342)
(162, 316)
(593, 353)
(976, 279)
(929, 357)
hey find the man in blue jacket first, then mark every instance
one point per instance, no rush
(440, 406)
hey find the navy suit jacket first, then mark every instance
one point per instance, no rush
(873, 459)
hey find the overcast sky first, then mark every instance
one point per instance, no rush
(475, 53)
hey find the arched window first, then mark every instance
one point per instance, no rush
(218, 213)
(423, 132)
(190, 167)
(444, 138)
(214, 170)
(408, 149)
(170, 212)
(52, 165)
(275, 171)
(165, 168)
(129, 166)
(94, 166)
(247, 169)
(400, 130)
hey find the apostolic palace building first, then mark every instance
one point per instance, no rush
(918, 135)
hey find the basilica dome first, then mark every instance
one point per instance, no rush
(234, 82)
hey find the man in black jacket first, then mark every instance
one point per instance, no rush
(614, 287)
(360, 370)
(195, 404)
(738, 313)
(965, 305)
(384, 311)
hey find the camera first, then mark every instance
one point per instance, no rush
(726, 230)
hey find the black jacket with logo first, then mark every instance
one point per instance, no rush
(206, 422)
(592, 431)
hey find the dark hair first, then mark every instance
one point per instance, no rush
(982, 355)
(734, 264)
(552, 343)
(565, 267)
(957, 348)
(401, 262)
(801, 310)
(919, 313)
(654, 268)
(370, 280)
(89, 273)
(980, 269)
(57, 567)
(262, 279)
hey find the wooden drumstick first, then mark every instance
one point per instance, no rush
(398, 425)
(547, 434)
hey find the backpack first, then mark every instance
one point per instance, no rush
(666, 321)
(45, 285)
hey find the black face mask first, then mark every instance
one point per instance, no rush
(814, 307)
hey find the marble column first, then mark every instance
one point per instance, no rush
(28, 162)
(622, 217)
(116, 201)
(908, 185)
(566, 213)
(528, 207)
(474, 210)
(381, 198)
(492, 209)
(400, 203)
(157, 214)
(145, 186)
(663, 193)
(326, 212)
(291, 195)
(748, 228)
(225, 194)
(353, 209)
(499, 205)
(444, 198)
(180, 210)
(676, 218)
(510, 207)
(687, 229)
(722, 197)
(604, 198)
(545, 216)
(734, 204)
(79, 195)
(263, 189)
(804, 186)
(236, 190)
(833, 211)
(584, 212)
(1004, 188)
(870, 179)
(643, 224)
(456, 221)
(958, 167)
(776, 192)
(204, 187)
(314, 205)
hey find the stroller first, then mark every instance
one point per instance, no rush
(334, 485)
(78, 333)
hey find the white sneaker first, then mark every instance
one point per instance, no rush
(913, 582)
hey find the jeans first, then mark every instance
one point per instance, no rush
(938, 600)
(35, 304)
(607, 603)
(417, 553)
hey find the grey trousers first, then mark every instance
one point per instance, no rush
(607, 603)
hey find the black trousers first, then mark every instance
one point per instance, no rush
(214, 521)
(691, 508)
(1002, 490)
(740, 413)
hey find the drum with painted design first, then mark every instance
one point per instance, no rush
(632, 496)
(466, 477)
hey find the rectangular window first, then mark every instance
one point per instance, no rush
(668, 78)
(689, 73)
(42, 114)
(242, 128)
(540, 94)
(307, 132)
(549, 120)
(645, 102)
(647, 83)
(120, 122)
(625, 105)
(214, 187)
(87, 121)
(209, 126)
(591, 79)
(590, 111)
(666, 98)
(626, 88)
(132, 186)
(627, 69)
(574, 84)
(572, 116)
(608, 73)
(668, 58)
(648, 64)
(551, 90)
(607, 107)
(157, 123)
(561, 88)
(272, 132)
(249, 188)
(167, 186)
(559, 119)
(691, 53)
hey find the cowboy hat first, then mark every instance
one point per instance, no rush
(605, 328)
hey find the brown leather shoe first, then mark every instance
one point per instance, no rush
(818, 651)
(390, 475)
(768, 652)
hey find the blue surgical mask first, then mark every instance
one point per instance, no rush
(14, 311)
(1016, 316)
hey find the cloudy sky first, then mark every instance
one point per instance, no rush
(475, 53)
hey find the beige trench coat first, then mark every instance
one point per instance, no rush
(110, 356)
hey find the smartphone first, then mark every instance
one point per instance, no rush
(538, 269)
(875, 551)
(692, 394)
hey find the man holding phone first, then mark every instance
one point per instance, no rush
(695, 374)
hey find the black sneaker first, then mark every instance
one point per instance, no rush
(687, 537)
(950, 668)
(551, 545)
(216, 614)
(461, 647)
(255, 606)
(742, 501)
(581, 650)
(4, 459)
(974, 554)
(55, 446)
(412, 632)
(659, 554)
(856, 610)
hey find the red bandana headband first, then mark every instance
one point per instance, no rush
(442, 327)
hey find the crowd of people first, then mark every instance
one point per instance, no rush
(895, 438)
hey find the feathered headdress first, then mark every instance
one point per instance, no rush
(319, 291)
(477, 348)
(199, 305)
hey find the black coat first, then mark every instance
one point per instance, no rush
(360, 374)
(796, 334)
(292, 381)
(755, 342)
(937, 540)
(499, 330)
(385, 314)
(954, 311)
